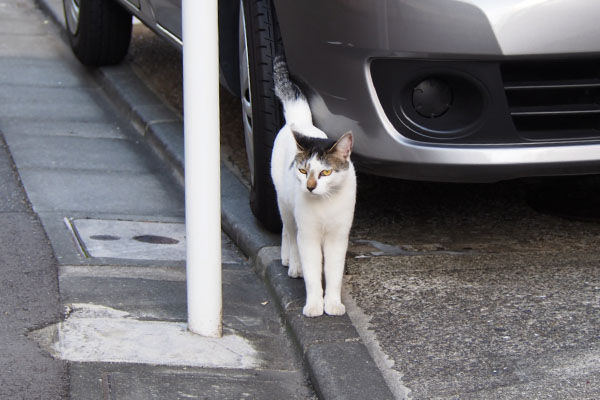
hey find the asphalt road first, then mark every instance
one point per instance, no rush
(28, 296)
(470, 290)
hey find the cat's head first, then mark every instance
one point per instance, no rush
(322, 165)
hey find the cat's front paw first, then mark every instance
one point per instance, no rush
(313, 309)
(334, 307)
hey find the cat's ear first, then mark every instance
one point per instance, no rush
(343, 147)
(298, 137)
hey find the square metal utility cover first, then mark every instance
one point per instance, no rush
(137, 240)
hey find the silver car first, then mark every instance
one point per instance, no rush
(440, 90)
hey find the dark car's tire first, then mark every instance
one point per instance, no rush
(259, 43)
(99, 30)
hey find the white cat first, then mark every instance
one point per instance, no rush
(316, 193)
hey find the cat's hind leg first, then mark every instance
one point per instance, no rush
(295, 264)
(334, 249)
(289, 245)
(285, 247)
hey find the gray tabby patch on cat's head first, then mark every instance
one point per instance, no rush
(336, 154)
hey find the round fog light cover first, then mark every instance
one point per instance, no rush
(432, 98)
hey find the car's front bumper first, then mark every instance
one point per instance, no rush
(332, 45)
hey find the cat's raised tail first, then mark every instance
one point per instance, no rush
(295, 105)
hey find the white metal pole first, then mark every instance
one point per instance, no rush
(202, 166)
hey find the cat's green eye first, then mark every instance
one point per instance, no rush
(302, 171)
(326, 172)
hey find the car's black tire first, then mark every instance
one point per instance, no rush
(99, 30)
(263, 43)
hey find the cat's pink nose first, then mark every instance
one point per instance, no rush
(311, 184)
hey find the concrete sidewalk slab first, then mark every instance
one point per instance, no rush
(41, 72)
(97, 191)
(17, 24)
(67, 152)
(160, 300)
(139, 382)
(34, 45)
(15, 128)
(52, 104)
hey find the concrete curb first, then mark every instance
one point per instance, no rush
(339, 363)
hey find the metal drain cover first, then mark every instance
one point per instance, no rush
(137, 240)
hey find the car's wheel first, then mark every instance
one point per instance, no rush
(99, 30)
(262, 117)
